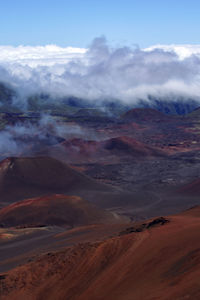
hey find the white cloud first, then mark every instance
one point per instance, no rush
(183, 51)
(102, 72)
(39, 55)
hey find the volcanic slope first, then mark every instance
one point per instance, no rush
(60, 210)
(160, 261)
(190, 189)
(144, 114)
(109, 150)
(22, 178)
(129, 146)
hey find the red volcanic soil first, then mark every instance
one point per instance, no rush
(79, 150)
(83, 146)
(192, 188)
(74, 150)
(130, 146)
(121, 144)
(144, 114)
(161, 262)
(54, 210)
(21, 178)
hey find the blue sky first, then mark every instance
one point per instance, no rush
(77, 22)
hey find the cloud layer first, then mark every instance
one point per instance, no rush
(102, 72)
(39, 55)
(183, 51)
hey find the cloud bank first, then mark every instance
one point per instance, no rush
(102, 72)
(183, 51)
(40, 55)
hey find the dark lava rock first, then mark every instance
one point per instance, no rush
(160, 221)
(144, 226)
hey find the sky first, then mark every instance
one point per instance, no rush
(77, 22)
(101, 49)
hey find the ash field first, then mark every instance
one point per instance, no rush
(99, 202)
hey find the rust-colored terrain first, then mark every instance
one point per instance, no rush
(25, 177)
(106, 209)
(57, 210)
(162, 261)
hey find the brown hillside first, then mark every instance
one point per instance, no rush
(53, 210)
(22, 178)
(144, 114)
(130, 146)
(192, 188)
(161, 262)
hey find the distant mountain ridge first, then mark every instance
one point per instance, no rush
(70, 105)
